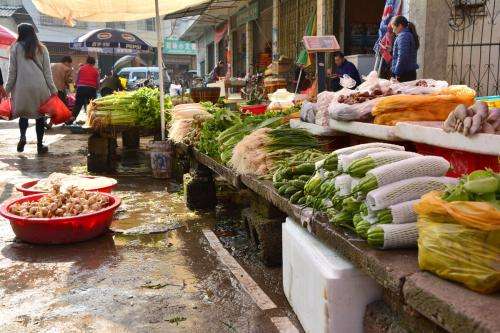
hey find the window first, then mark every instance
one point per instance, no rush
(115, 25)
(52, 21)
(139, 75)
(150, 24)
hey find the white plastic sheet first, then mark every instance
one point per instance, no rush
(109, 10)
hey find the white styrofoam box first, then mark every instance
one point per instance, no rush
(363, 62)
(327, 292)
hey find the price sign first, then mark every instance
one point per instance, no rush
(321, 43)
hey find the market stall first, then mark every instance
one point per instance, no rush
(375, 202)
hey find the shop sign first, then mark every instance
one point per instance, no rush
(176, 46)
(248, 14)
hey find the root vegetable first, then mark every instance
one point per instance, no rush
(477, 121)
(488, 128)
(57, 204)
(468, 122)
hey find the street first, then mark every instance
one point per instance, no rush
(155, 273)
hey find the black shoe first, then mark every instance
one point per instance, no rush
(20, 145)
(41, 149)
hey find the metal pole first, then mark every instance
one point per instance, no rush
(159, 51)
(298, 80)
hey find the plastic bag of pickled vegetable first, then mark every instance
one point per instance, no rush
(460, 241)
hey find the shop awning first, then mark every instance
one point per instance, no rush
(214, 15)
(189, 11)
(110, 10)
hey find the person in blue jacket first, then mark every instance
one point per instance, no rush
(343, 67)
(404, 52)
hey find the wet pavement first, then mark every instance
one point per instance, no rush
(155, 273)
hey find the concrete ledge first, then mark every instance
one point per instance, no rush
(229, 174)
(452, 306)
(423, 297)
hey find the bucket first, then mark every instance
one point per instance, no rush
(161, 159)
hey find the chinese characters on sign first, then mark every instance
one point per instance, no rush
(176, 46)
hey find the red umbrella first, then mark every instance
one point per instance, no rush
(7, 37)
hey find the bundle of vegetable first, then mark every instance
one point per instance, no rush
(222, 119)
(433, 166)
(140, 107)
(480, 185)
(346, 160)
(228, 139)
(405, 190)
(145, 103)
(391, 236)
(358, 168)
(396, 214)
(259, 152)
(187, 120)
(472, 120)
(112, 110)
(332, 160)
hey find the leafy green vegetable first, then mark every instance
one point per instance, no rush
(211, 129)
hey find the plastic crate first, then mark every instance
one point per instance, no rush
(462, 162)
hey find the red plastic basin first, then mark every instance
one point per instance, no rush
(254, 109)
(25, 187)
(59, 230)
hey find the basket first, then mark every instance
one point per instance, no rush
(59, 230)
(205, 94)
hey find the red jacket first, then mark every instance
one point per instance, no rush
(88, 76)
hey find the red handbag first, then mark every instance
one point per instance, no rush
(6, 109)
(56, 110)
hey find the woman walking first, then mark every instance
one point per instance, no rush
(87, 83)
(404, 62)
(29, 82)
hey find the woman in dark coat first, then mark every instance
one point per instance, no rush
(404, 62)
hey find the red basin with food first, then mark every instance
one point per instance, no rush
(254, 109)
(59, 230)
(25, 188)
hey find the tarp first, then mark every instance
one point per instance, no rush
(109, 10)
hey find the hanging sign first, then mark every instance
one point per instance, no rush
(321, 43)
(176, 46)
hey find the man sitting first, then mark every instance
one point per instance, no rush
(344, 67)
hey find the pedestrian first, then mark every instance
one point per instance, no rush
(30, 83)
(87, 84)
(62, 72)
(404, 53)
(344, 67)
(110, 84)
(217, 72)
